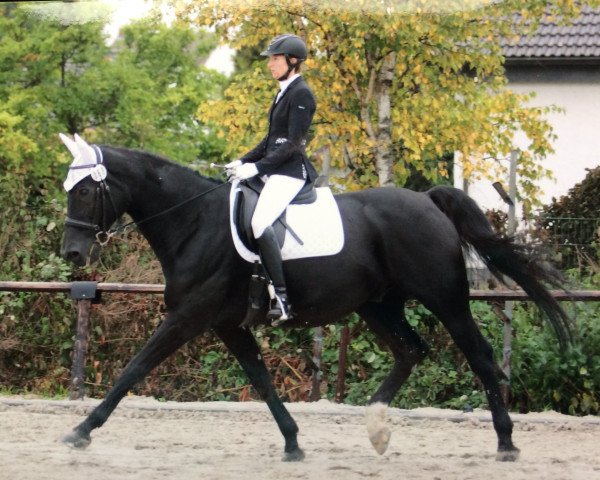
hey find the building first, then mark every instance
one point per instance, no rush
(562, 65)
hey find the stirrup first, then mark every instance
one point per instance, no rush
(280, 312)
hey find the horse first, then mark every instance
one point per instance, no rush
(399, 245)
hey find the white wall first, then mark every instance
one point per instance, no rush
(577, 145)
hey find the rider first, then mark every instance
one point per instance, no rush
(279, 158)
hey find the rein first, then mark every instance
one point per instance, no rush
(103, 235)
(120, 228)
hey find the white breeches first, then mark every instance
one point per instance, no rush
(276, 195)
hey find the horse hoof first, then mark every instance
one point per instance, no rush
(77, 440)
(508, 455)
(379, 433)
(296, 455)
(380, 440)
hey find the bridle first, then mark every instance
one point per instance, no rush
(99, 223)
(102, 197)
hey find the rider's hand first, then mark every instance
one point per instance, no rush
(245, 171)
(234, 164)
(230, 169)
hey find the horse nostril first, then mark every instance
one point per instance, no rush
(73, 256)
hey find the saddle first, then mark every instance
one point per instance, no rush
(245, 204)
(313, 213)
(243, 210)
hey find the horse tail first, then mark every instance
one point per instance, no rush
(503, 256)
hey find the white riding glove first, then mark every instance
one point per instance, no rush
(230, 168)
(245, 171)
(234, 164)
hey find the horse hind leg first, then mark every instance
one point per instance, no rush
(457, 318)
(388, 323)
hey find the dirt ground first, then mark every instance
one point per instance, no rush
(146, 439)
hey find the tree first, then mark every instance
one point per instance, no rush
(142, 92)
(582, 201)
(399, 84)
(34, 68)
(14, 144)
(158, 80)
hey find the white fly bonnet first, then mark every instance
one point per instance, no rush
(87, 161)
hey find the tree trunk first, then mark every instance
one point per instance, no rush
(383, 150)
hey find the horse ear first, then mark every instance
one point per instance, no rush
(70, 144)
(87, 152)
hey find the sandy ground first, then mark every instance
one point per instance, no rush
(146, 439)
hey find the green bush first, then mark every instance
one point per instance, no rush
(37, 336)
(36, 330)
(544, 377)
(443, 379)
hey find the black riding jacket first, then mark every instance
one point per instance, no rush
(282, 152)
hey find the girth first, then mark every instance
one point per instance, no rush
(245, 204)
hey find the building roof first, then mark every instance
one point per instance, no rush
(578, 41)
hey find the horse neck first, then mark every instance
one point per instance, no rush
(155, 186)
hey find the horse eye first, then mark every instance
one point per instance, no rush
(83, 191)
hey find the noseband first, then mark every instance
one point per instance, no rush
(102, 197)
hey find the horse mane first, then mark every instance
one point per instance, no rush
(157, 161)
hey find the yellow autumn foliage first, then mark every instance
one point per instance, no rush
(448, 92)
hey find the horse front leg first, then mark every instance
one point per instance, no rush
(167, 338)
(242, 344)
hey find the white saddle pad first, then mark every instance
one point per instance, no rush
(318, 225)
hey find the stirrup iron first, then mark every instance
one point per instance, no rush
(280, 311)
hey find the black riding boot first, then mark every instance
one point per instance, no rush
(270, 254)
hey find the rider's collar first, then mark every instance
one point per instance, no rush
(284, 84)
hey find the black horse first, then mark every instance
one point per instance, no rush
(400, 245)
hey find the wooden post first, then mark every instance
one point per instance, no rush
(507, 352)
(315, 391)
(512, 193)
(506, 317)
(340, 388)
(509, 306)
(76, 387)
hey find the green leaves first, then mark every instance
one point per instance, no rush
(141, 92)
(15, 146)
(543, 377)
(448, 89)
(55, 77)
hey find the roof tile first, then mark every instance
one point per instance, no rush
(578, 40)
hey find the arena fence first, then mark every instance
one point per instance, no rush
(85, 293)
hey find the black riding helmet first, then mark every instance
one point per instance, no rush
(290, 46)
(287, 44)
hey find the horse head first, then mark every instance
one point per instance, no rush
(92, 204)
